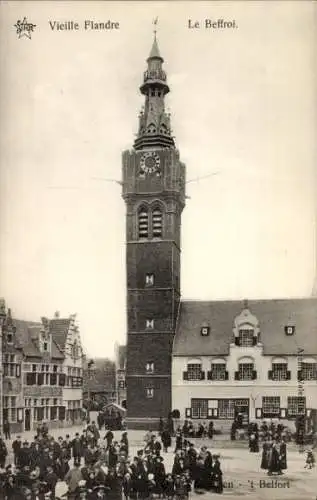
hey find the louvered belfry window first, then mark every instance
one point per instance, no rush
(157, 223)
(143, 223)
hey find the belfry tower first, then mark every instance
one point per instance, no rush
(154, 192)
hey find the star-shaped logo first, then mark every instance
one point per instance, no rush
(24, 28)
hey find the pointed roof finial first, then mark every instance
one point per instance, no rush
(155, 26)
(155, 53)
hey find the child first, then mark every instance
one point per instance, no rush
(310, 459)
(169, 487)
(181, 492)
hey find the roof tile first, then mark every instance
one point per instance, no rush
(273, 316)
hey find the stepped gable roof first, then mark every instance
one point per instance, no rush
(59, 327)
(27, 334)
(122, 356)
(273, 315)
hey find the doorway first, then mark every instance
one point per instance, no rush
(27, 419)
(241, 407)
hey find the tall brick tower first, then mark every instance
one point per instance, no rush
(154, 192)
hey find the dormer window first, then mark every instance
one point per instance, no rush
(246, 337)
(204, 331)
(9, 338)
(289, 329)
(45, 346)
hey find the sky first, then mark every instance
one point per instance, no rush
(243, 105)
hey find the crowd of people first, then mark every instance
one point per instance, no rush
(94, 467)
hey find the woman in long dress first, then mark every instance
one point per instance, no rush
(283, 455)
(265, 455)
(274, 460)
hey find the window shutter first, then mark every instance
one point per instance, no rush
(270, 375)
(188, 412)
(237, 340)
(236, 376)
(288, 375)
(18, 371)
(61, 413)
(185, 375)
(209, 375)
(29, 378)
(226, 375)
(62, 380)
(254, 340)
(254, 375)
(202, 375)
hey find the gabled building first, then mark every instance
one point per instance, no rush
(206, 359)
(42, 372)
(66, 335)
(257, 358)
(12, 407)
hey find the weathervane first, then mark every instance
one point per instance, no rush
(155, 26)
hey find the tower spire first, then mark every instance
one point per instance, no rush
(154, 122)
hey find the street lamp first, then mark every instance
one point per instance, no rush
(2, 318)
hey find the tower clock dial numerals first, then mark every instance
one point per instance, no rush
(150, 164)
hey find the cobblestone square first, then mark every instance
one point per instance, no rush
(242, 475)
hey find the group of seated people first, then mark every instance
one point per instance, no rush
(201, 430)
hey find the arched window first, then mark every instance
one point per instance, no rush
(151, 128)
(246, 369)
(194, 371)
(143, 223)
(279, 370)
(309, 369)
(246, 336)
(218, 370)
(163, 129)
(157, 223)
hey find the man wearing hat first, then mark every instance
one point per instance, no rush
(77, 448)
(24, 455)
(16, 447)
(72, 479)
(3, 453)
(159, 475)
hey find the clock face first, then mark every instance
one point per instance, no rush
(150, 163)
